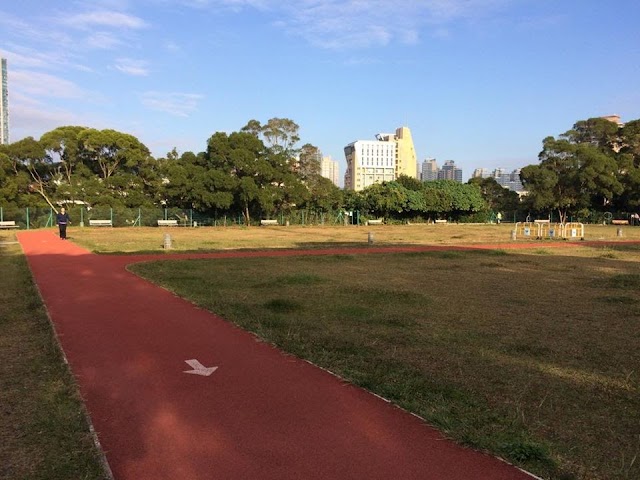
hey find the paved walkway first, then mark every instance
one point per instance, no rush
(260, 415)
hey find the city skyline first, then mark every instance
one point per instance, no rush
(470, 78)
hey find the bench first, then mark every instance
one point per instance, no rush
(542, 221)
(268, 222)
(620, 222)
(374, 222)
(167, 223)
(440, 221)
(8, 224)
(100, 223)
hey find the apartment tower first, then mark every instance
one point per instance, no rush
(329, 168)
(4, 106)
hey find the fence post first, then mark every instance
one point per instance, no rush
(27, 218)
(82, 216)
(111, 211)
(1, 215)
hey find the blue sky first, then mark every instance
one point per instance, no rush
(480, 82)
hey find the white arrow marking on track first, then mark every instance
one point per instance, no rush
(199, 369)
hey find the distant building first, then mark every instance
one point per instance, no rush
(429, 170)
(369, 162)
(510, 180)
(449, 171)
(330, 169)
(380, 160)
(4, 105)
(481, 173)
(614, 118)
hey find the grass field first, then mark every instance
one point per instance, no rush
(145, 239)
(44, 434)
(529, 354)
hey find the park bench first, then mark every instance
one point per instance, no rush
(542, 221)
(8, 224)
(620, 222)
(268, 222)
(167, 223)
(100, 223)
(374, 222)
(440, 221)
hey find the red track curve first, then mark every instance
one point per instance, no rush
(261, 415)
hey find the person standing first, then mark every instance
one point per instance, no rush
(62, 219)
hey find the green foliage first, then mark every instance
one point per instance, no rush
(595, 165)
(393, 200)
(591, 169)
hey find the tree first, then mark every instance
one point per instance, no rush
(107, 151)
(410, 183)
(29, 154)
(323, 196)
(241, 157)
(629, 166)
(385, 200)
(497, 197)
(62, 144)
(576, 171)
(309, 163)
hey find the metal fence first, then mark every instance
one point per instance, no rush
(38, 217)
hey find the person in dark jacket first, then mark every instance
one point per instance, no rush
(62, 219)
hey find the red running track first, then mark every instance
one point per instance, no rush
(260, 415)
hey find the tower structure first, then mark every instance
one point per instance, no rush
(429, 170)
(449, 171)
(4, 105)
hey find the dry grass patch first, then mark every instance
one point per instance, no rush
(532, 356)
(148, 239)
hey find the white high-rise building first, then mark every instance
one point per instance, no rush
(4, 105)
(369, 162)
(330, 169)
(381, 160)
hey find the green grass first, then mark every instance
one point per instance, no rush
(533, 358)
(44, 434)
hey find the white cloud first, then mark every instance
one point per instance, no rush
(44, 85)
(348, 24)
(30, 117)
(103, 41)
(137, 68)
(178, 104)
(103, 18)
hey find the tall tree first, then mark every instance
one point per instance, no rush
(63, 146)
(241, 156)
(576, 171)
(629, 166)
(497, 197)
(30, 154)
(107, 151)
(310, 161)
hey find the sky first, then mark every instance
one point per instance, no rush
(480, 82)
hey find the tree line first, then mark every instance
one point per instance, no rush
(260, 172)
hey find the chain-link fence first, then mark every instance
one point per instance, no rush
(80, 215)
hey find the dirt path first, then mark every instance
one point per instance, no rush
(260, 415)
